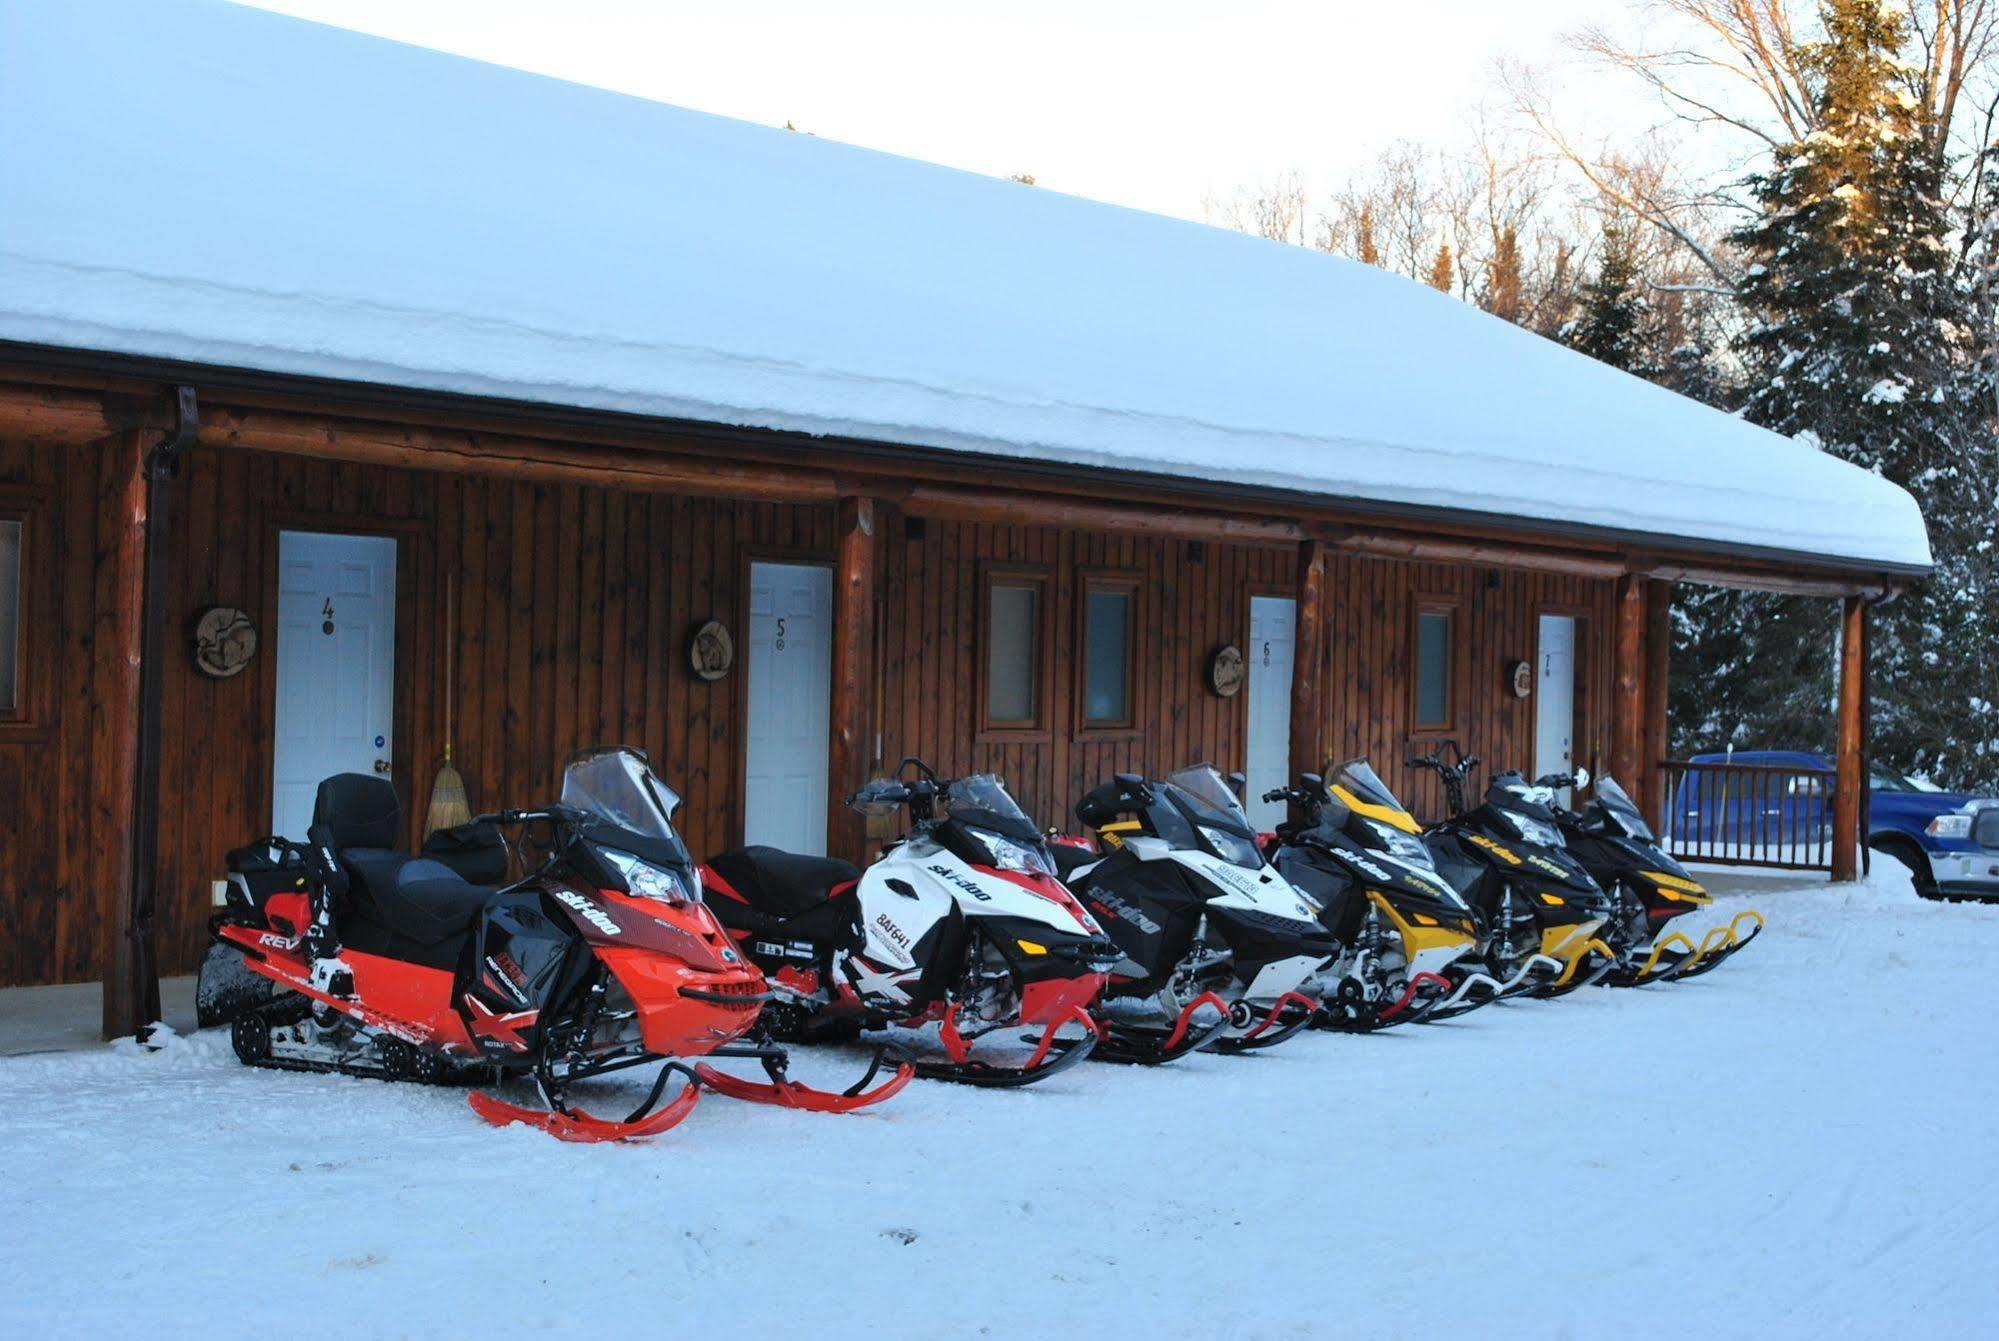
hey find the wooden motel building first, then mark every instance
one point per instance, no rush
(357, 399)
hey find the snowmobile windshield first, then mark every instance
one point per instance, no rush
(995, 828)
(1623, 811)
(1360, 788)
(617, 789)
(1217, 815)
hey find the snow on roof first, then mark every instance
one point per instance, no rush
(191, 180)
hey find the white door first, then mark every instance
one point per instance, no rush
(336, 666)
(791, 686)
(1273, 622)
(1555, 698)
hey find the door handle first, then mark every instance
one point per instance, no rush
(381, 765)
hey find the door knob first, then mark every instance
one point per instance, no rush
(381, 765)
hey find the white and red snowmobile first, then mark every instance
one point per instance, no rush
(603, 959)
(1200, 919)
(1648, 890)
(962, 923)
(1401, 927)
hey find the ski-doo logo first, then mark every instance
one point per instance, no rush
(590, 912)
(1369, 868)
(1502, 853)
(1110, 905)
(950, 876)
(896, 935)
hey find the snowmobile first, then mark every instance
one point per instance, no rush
(1648, 890)
(603, 959)
(1199, 917)
(962, 923)
(1540, 909)
(1355, 850)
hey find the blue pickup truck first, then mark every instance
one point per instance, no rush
(1950, 840)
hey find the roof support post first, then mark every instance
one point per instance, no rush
(1627, 706)
(1658, 656)
(140, 542)
(1849, 775)
(853, 744)
(1308, 709)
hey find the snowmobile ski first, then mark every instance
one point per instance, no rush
(1134, 1044)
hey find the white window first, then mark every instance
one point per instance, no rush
(1013, 654)
(1107, 655)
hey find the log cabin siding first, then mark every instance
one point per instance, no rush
(574, 606)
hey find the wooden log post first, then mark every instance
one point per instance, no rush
(1849, 775)
(853, 743)
(1308, 708)
(130, 988)
(1627, 706)
(1658, 658)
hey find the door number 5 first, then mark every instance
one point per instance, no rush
(780, 636)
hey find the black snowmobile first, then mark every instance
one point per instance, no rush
(1198, 916)
(1648, 890)
(1401, 928)
(1540, 910)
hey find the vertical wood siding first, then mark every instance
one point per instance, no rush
(574, 607)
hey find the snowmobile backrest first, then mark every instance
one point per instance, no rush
(477, 852)
(358, 810)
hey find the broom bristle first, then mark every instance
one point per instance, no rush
(449, 807)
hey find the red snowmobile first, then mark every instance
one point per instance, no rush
(605, 958)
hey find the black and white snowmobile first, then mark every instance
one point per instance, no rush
(962, 923)
(1401, 927)
(1198, 915)
(1648, 890)
(1540, 911)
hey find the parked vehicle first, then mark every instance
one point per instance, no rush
(962, 923)
(603, 959)
(1198, 916)
(1648, 891)
(1948, 840)
(1539, 909)
(1401, 928)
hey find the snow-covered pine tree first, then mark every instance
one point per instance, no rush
(1608, 326)
(1858, 343)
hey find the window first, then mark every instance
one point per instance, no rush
(1107, 644)
(1015, 691)
(10, 616)
(1434, 628)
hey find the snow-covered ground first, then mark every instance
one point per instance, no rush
(1798, 1145)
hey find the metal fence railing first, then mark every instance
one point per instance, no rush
(1748, 814)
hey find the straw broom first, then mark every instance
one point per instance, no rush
(448, 804)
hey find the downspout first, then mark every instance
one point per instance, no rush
(162, 466)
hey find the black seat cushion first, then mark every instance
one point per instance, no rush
(478, 852)
(409, 908)
(1069, 858)
(360, 810)
(783, 884)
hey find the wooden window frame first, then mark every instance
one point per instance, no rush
(1454, 689)
(1089, 581)
(35, 617)
(1038, 730)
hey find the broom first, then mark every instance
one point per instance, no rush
(449, 807)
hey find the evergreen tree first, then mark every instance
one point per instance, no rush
(1858, 343)
(1442, 269)
(1506, 288)
(1610, 325)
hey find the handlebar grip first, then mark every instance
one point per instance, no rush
(1277, 794)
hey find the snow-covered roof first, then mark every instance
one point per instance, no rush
(191, 180)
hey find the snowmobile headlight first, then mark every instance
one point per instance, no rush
(1232, 847)
(1950, 826)
(1530, 830)
(1007, 855)
(643, 880)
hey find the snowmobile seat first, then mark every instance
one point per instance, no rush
(415, 909)
(783, 884)
(1069, 858)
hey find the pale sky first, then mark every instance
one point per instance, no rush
(1148, 103)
